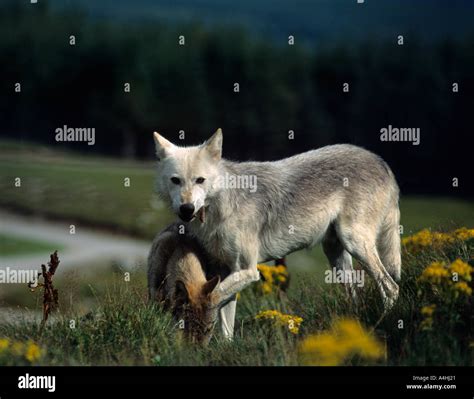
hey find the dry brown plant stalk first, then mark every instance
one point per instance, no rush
(50, 294)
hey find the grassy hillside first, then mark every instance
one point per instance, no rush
(11, 245)
(89, 190)
(113, 325)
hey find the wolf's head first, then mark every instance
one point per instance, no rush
(188, 176)
(198, 306)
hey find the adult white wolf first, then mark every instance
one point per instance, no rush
(341, 195)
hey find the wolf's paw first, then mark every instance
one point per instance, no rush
(254, 275)
(391, 298)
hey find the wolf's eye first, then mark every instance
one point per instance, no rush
(175, 180)
(200, 180)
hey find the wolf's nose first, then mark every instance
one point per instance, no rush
(186, 210)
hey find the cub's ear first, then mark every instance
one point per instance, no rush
(213, 146)
(163, 147)
(181, 295)
(211, 285)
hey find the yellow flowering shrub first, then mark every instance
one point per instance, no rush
(33, 352)
(4, 344)
(448, 286)
(435, 273)
(461, 269)
(463, 234)
(462, 288)
(279, 319)
(345, 339)
(16, 352)
(428, 310)
(273, 278)
(454, 276)
(427, 239)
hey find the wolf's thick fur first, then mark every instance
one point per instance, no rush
(177, 278)
(341, 195)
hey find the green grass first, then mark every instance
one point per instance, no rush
(12, 245)
(435, 213)
(84, 189)
(114, 325)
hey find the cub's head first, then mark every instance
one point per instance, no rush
(188, 176)
(197, 306)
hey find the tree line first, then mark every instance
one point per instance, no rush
(272, 100)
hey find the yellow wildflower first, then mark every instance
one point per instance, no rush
(266, 287)
(425, 238)
(4, 344)
(345, 339)
(292, 322)
(322, 350)
(462, 269)
(353, 331)
(33, 352)
(434, 273)
(463, 288)
(438, 272)
(426, 324)
(463, 234)
(428, 310)
(20, 350)
(273, 277)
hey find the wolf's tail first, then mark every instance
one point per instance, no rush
(389, 243)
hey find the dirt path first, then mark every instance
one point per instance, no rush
(85, 247)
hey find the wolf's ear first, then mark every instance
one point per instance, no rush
(214, 145)
(181, 295)
(211, 285)
(163, 146)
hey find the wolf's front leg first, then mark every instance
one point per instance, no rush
(237, 281)
(233, 284)
(227, 318)
(228, 288)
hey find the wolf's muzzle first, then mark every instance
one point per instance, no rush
(186, 212)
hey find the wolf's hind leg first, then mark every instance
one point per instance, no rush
(389, 243)
(340, 259)
(358, 241)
